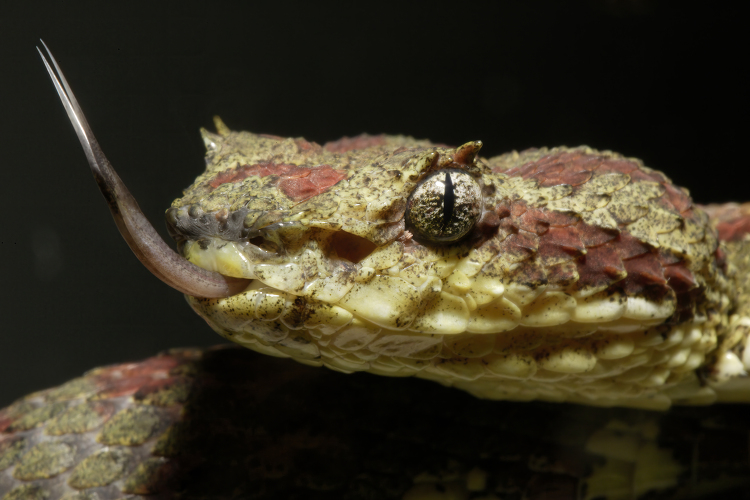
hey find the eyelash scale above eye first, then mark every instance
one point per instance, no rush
(444, 207)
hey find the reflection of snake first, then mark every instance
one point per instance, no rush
(557, 275)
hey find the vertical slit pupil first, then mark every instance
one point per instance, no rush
(449, 201)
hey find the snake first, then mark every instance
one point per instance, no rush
(589, 318)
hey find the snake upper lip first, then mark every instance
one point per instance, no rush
(135, 228)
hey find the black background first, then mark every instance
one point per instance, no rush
(664, 82)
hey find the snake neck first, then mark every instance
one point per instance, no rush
(728, 366)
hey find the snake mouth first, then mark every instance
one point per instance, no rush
(134, 227)
(288, 257)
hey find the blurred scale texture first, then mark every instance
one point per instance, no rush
(227, 423)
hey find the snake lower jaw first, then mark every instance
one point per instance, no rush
(515, 343)
(619, 365)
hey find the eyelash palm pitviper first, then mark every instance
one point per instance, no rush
(555, 275)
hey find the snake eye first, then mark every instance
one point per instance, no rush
(444, 206)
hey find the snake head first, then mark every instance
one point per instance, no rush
(562, 274)
(548, 274)
(341, 224)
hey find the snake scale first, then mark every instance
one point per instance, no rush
(549, 276)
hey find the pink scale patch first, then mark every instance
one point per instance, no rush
(298, 183)
(559, 248)
(678, 198)
(315, 181)
(548, 169)
(652, 176)
(571, 177)
(363, 141)
(593, 235)
(241, 173)
(576, 168)
(616, 166)
(560, 245)
(629, 246)
(600, 266)
(565, 239)
(590, 163)
(5, 422)
(613, 257)
(523, 171)
(734, 230)
(531, 223)
(643, 271)
(122, 387)
(680, 278)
